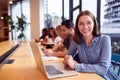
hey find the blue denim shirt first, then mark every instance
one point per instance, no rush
(96, 58)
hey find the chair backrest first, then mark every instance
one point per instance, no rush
(116, 61)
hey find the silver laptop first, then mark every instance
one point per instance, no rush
(50, 70)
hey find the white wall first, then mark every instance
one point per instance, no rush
(34, 18)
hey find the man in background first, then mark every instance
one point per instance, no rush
(67, 30)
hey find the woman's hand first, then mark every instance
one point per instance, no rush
(48, 52)
(68, 61)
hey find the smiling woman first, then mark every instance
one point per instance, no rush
(94, 49)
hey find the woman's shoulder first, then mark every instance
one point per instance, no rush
(104, 37)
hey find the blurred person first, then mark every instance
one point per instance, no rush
(58, 31)
(43, 36)
(53, 36)
(67, 29)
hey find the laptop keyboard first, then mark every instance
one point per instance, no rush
(51, 70)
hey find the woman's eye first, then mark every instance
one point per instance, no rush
(80, 23)
(88, 22)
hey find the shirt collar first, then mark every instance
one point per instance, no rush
(95, 39)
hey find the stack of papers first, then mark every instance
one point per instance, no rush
(48, 58)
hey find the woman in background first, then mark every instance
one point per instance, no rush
(44, 36)
(94, 49)
(53, 35)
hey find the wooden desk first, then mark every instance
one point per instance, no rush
(5, 46)
(24, 68)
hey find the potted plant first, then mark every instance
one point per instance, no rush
(19, 26)
(116, 47)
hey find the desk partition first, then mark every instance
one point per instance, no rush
(6, 54)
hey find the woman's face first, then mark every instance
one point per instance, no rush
(51, 32)
(85, 25)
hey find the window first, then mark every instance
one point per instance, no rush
(53, 13)
(75, 13)
(91, 6)
(66, 9)
(75, 3)
(75, 10)
(110, 16)
(17, 9)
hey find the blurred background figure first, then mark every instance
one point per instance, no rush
(44, 35)
(67, 32)
(53, 36)
(58, 31)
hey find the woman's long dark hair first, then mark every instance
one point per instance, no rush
(54, 32)
(78, 35)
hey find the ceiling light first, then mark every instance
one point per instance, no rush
(2, 17)
(10, 2)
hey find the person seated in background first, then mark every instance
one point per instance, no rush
(94, 49)
(53, 36)
(67, 29)
(44, 37)
(58, 31)
(44, 34)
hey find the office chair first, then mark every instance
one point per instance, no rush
(116, 61)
